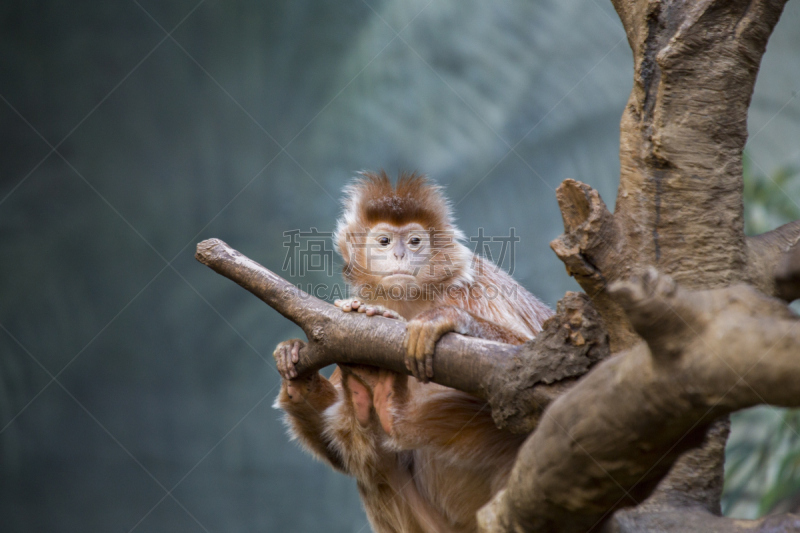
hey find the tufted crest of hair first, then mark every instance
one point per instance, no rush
(413, 199)
(372, 198)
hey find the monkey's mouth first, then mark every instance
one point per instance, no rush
(402, 277)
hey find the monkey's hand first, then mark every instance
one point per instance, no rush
(424, 331)
(287, 355)
(354, 304)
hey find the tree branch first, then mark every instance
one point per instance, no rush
(769, 255)
(698, 519)
(607, 442)
(519, 382)
(595, 253)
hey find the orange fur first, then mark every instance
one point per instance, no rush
(425, 457)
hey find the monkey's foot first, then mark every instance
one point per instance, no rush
(388, 391)
(354, 304)
(375, 390)
(287, 355)
(358, 381)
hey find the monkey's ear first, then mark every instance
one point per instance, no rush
(341, 239)
(343, 246)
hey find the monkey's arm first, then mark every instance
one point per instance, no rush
(304, 400)
(425, 330)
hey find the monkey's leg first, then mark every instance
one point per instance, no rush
(373, 389)
(304, 400)
(390, 396)
(382, 400)
(376, 394)
(357, 383)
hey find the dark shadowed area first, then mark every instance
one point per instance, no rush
(135, 384)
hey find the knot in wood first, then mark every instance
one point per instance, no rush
(317, 334)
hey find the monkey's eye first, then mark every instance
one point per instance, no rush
(384, 241)
(414, 241)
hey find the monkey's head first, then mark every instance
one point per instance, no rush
(400, 238)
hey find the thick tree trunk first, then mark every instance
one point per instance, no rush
(679, 204)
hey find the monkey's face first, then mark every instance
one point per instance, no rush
(400, 260)
(396, 254)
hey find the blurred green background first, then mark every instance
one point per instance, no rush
(762, 461)
(135, 384)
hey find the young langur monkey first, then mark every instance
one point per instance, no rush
(425, 457)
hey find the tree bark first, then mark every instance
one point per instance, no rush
(679, 202)
(697, 519)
